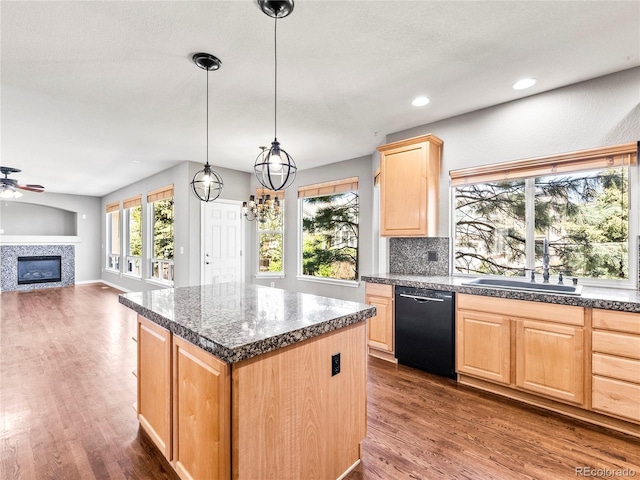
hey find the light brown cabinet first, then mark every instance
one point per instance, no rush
(483, 345)
(381, 327)
(154, 383)
(409, 187)
(616, 364)
(201, 413)
(550, 360)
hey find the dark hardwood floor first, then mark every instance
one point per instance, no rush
(66, 391)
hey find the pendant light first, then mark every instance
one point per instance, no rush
(207, 185)
(275, 168)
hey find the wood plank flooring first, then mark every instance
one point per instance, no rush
(66, 391)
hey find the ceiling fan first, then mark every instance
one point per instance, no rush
(9, 187)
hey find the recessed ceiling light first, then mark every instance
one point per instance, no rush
(524, 83)
(420, 101)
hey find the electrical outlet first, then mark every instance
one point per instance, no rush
(272, 284)
(432, 256)
(335, 364)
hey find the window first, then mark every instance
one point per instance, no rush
(330, 230)
(113, 237)
(161, 209)
(579, 205)
(271, 236)
(133, 235)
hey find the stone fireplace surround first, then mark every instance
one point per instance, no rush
(9, 265)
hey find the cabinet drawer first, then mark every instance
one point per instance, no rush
(616, 397)
(616, 367)
(620, 321)
(378, 290)
(547, 312)
(619, 344)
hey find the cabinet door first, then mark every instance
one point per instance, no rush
(409, 173)
(201, 413)
(154, 383)
(550, 360)
(381, 326)
(484, 345)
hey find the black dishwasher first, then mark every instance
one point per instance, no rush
(425, 330)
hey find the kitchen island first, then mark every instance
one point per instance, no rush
(245, 382)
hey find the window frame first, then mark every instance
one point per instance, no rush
(127, 206)
(111, 257)
(321, 190)
(567, 163)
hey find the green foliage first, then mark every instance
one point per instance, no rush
(584, 216)
(163, 229)
(135, 231)
(330, 236)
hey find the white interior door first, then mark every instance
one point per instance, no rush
(222, 244)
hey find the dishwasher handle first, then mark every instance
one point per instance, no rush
(420, 299)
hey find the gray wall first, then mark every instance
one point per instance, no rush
(29, 219)
(361, 168)
(88, 225)
(187, 227)
(596, 113)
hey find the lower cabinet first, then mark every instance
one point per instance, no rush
(550, 360)
(381, 327)
(201, 413)
(184, 403)
(154, 383)
(484, 345)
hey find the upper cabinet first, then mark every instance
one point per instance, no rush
(409, 187)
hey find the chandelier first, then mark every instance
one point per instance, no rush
(264, 209)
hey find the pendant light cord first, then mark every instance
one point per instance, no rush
(207, 116)
(275, 82)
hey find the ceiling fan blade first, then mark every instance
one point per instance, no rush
(31, 188)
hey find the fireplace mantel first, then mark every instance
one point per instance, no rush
(39, 239)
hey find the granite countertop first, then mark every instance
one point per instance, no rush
(593, 297)
(236, 321)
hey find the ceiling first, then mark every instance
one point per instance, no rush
(96, 95)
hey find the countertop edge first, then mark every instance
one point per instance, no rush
(244, 352)
(587, 299)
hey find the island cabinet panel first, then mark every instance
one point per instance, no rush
(409, 179)
(201, 413)
(381, 326)
(154, 383)
(550, 360)
(286, 405)
(484, 345)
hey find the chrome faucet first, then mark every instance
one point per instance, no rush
(545, 261)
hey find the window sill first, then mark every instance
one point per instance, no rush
(161, 283)
(111, 271)
(131, 276)
(269, 275)
(329, 281)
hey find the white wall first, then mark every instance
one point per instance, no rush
(596, 113)
(88, 216)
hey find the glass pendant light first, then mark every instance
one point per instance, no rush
(207, 185)
(275, 168)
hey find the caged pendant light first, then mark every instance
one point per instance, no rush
(275, 168)
(207, 185)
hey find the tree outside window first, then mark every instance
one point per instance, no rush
(330, 236)
(133, 220)
(162, 240)
(270, 243)
(584, 216)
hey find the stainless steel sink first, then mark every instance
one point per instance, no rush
(524, 285)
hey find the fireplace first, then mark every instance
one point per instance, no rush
(39, 269)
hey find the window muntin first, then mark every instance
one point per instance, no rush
(133, 240)
(162, 239)
(113, 241)
(330, 235)
(584, 216)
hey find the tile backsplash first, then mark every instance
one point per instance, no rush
(419, 256)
